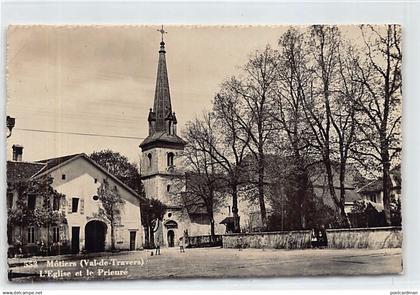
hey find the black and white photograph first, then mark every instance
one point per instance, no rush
(203, 151)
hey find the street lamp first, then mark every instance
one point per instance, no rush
(10, 123)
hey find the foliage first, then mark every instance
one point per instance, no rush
(151, 213)
(153, 209)
(41, 216)
(119, 166)
(396, 219)
(112, 203)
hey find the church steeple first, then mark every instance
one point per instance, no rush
(162, 103)
(162, 121)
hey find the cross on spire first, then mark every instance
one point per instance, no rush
(162, 31)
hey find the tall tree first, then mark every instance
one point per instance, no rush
(231, 150)
(255, 91)
(293, 80)
(112, 203)
(380, 74)
(204, 180)
(324, 45)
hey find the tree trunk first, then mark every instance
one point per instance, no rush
(212, 233)
(343, 192)
(386, 183)
(146, 237)
(261, 171)
(338, 202)
(112, 237)
(236, 225)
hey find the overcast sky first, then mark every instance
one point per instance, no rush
(101, 79)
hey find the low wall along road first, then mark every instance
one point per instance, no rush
(372, 238)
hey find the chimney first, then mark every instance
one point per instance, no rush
(17, 152)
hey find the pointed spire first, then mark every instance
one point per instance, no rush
(162, 104)
(162, 121)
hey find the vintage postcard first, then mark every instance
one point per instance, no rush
(148, 152)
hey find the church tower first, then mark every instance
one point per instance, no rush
(162, 148)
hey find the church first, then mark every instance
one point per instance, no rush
(162, 171)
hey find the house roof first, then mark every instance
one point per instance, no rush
(376, 185)
(53, 162)
(21, 171)
(228, 220)
(43, 167)
(193, 203)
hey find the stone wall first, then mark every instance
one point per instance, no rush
(373, 238)
(276, 240)
(204, 241)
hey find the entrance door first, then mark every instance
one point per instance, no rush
(171, 238)
(75, 239)
(95, 232)
(132, 240)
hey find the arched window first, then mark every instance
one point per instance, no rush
(149, 156)
(170, 161)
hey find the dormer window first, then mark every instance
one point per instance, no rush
(170, 159)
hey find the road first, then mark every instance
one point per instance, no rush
(211, 263)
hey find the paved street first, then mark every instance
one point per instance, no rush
(212, 262)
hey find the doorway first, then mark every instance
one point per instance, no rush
(171, 238)
(75, 239)
(132, 240)
(95, 232)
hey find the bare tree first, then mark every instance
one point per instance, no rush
(380, 74)
(230, 151)
(324, 45)
(293, 81)
(204, 182)
(255, 93)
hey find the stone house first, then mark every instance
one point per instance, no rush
(77, 177)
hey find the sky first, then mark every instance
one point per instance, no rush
(100, 80)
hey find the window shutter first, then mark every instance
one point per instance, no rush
(63, 205)
(38, 202)
(69, 204)
(82, 205)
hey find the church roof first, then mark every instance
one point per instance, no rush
(162, 137)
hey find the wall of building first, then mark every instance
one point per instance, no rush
(372, 238)
(79, 182)
(159, 161)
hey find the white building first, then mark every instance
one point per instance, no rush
(78, 178)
